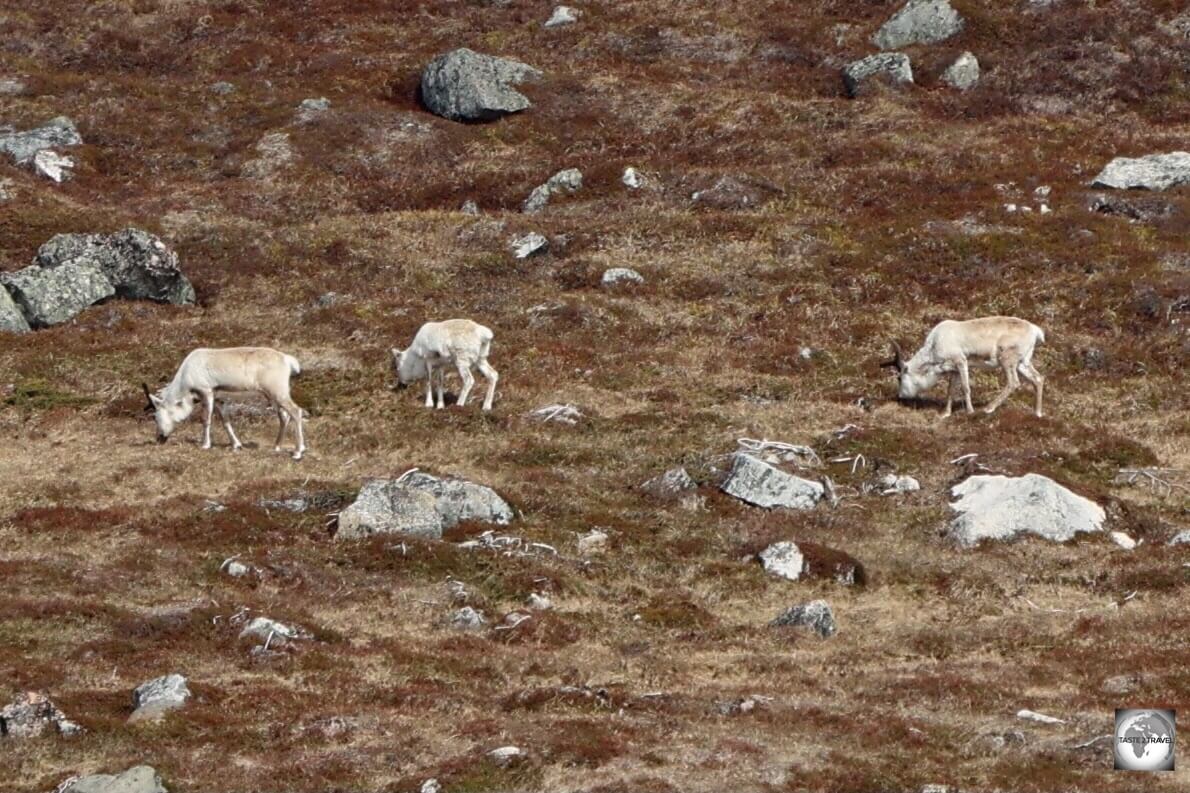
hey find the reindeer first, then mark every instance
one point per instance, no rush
(460, 342)
(1004, 342)
(208, 374)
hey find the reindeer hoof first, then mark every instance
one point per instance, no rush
(297, 455)
(237, 447)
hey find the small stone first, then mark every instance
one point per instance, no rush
(469, 208)
(11, 86)
(467, 619)
(672, 484)
(529, 245)
(892, 485)
(236, 569)
(784, 560)
(140, 779)
(1123, 540)
(31, 714)
(506, 755)
(1181, 538)
(539, 602)
(1030, 715)
(632, 179)
(271, 632)
(155, 698)
(431, 786)
(1121, 684)
(815, 615)
(919, 22)
(52, 166)
(891, 68)
(565, 182)
(621, 275)
(963, 74)
(223, 88)
(592, 543)
(464, 85)
(563, 15)
(311, 109)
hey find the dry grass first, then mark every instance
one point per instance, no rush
(112, 553)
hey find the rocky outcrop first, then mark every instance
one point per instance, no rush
(32, 714)
(153, 699)
(764, 485)
(49, 296)
(23, 146)
(464, 85)
(994, 507)
(139, 265)
(963, 74)
(919, 22)
(1153, 172)
(140, 779)
(815, 615)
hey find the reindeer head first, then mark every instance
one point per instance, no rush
(407, 367)
(912, 379)
(168, 413)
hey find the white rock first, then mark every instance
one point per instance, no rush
(431, 786)
(1001, 507)
(1044, 209)
(563, 15)
(271, 632)
(11, 86)
(565, 182)
(311, 109)
(1010, 207)
(52, 166)
(591, 543)
(621, 275)
(469, 208)
(762, 485)
(1043, 191)
(919, 22)
(505, 755)
(539, 602)
(784, 560)
(1153, 172)
(1031, 715)
(963, 73)
(528, 245)
(468, 619)
(1181, 538)
(632, 179)
(895, 485)
(1123, 540)
(154, 698)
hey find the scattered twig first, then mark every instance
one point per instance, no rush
(963, 458)
(789, 452)
(1156, 478)
(566, 414)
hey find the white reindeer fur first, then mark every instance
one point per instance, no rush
(437, 345)
(208, 374)
(1006, 343)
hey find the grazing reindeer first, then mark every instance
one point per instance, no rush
(438, 344)
(209, 374)
(1004, 342)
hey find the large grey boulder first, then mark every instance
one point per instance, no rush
(963, 73)
(49, 296)
(23, 146)
(995, 507)
(464, 85)
(815, 615)
(892, 68)
(763, 485)
(420, 505)
(1153, 172)
(139, 779)
(32, 714)
(153, 699)
(139, 265)
(11, 318)
(919, 22)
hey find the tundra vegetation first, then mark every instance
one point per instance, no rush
(825, 226)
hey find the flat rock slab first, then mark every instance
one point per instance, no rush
(762, 485)
(919, 22)
(890, 68)
(140, 779)
(50, 296)
(1152, 172)
(464, 85)
(1001, 507)
(154, 698)
(23, 146)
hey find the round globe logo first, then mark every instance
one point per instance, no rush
(1144, 740)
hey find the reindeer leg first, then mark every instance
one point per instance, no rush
(221, 406)
(441, 387)
(429, 385)
(208, 398)
(1008, 364)
(489, 373)
(952, 380)
(283, 419)
(1037, 381)
(295, 412)
(468, 380)
(965, 378)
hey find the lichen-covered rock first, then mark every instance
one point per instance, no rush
(139, 265)
(919, 22)
(993, 507)
(815, 615)
(615, 276)
(154, 698)
(23, 146)
(464, 85)
(420, 505)
(564, 182)
(670, 485)
(53, 166)
(763, 485)
(784, 560)
(892, 68)
(532, 243)
(52, 295)
(1152, 172)
(32, 714)
(268, 631)
(563, 15)
(139, 779)
(963, 73)
(800, 561)
(11, 318)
